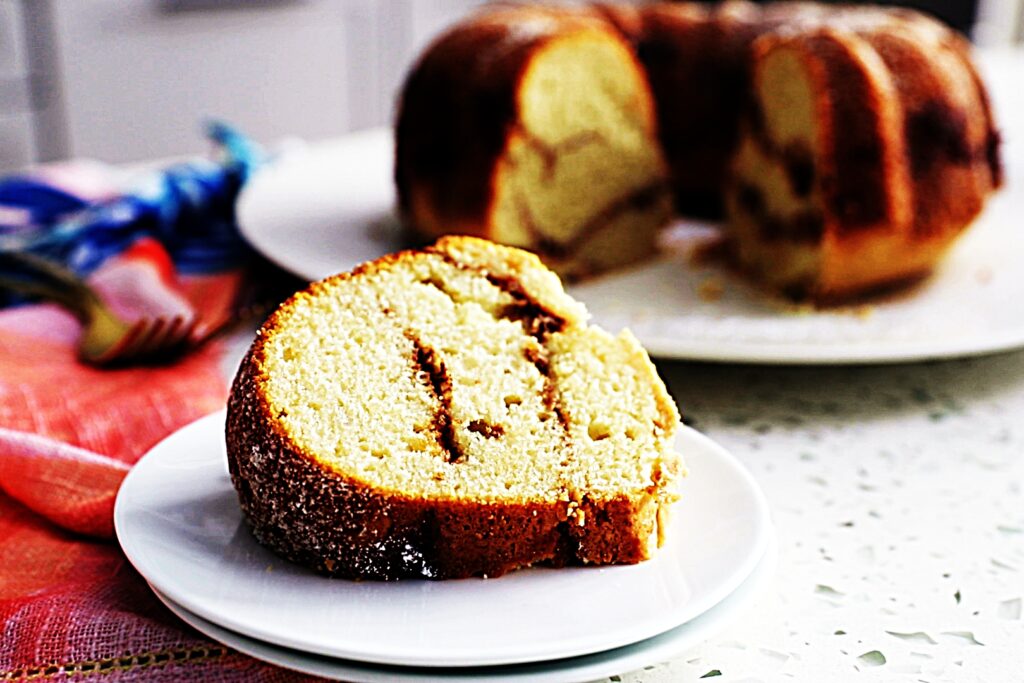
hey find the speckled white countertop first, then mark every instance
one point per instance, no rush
(898, 494)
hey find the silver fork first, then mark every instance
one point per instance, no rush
(106, 338)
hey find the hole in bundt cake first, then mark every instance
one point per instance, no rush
(598, 430)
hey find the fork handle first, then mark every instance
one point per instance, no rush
(38, 289)
(38, 276)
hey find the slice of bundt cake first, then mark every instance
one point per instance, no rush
(535, 128)
(447, 413)
(869, 148)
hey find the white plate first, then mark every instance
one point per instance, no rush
(329, 207)
(660, 648)
(178, 521)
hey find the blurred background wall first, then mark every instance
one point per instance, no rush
(125, 80)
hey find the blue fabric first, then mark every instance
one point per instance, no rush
(189, 207)
(33, 204)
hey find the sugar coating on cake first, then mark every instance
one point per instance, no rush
(449, 413)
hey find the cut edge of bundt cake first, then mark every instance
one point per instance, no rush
(572, 168)
(860, 160)
(819, 158)
(447, 413)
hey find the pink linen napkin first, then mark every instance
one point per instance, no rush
(69, 600)
(70, 603)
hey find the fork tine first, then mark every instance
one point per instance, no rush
(163, 336)
(152, 340)
(151, 329)
(187, 331)
(167, 339)
(171, 342)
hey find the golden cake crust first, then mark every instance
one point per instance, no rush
(316, 515)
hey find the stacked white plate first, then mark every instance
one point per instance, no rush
(178, 520)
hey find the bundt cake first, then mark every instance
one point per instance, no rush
(448, 413)
(847, 146)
